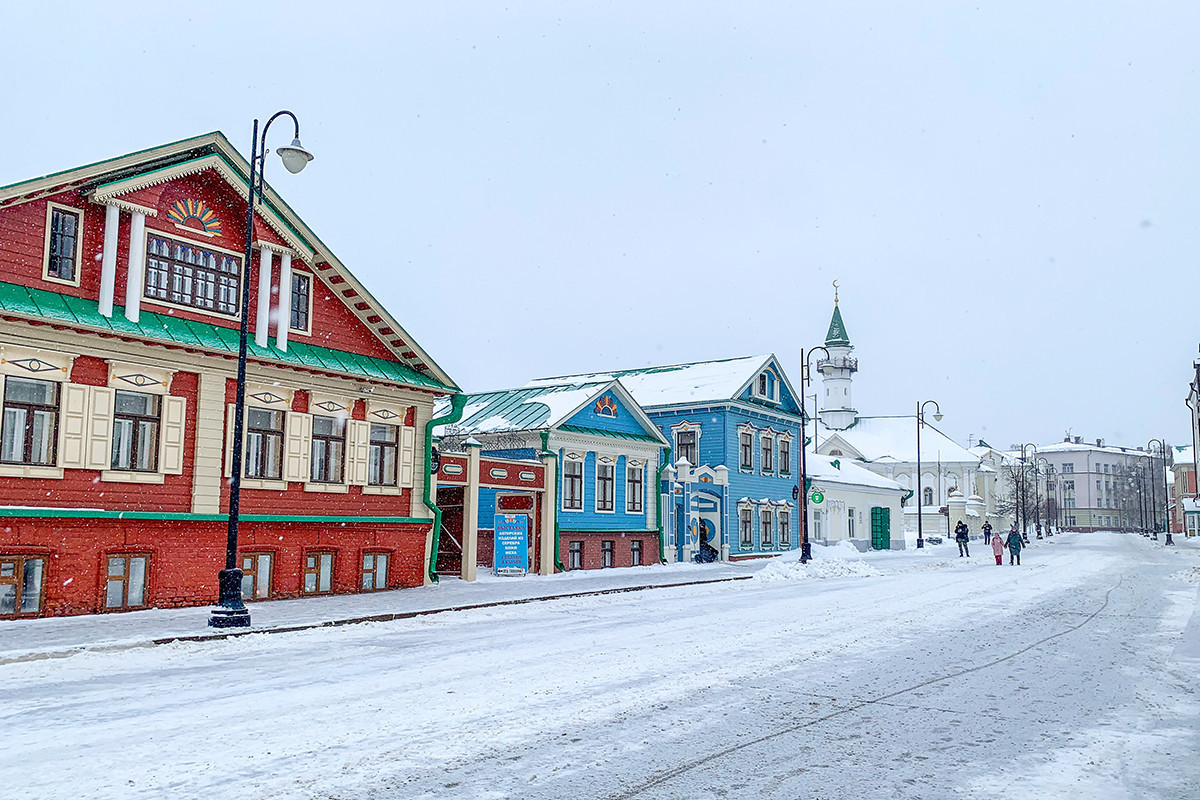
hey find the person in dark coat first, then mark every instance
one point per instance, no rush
(962, 536)
(1014, 546)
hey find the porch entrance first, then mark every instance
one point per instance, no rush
(449, 557)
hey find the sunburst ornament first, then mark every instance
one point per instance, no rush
(184, 211)
(606, 407)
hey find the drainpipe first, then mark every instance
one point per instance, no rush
(457, 403)
(558, 565)
(658, 508)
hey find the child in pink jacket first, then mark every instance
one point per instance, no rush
(998, 548)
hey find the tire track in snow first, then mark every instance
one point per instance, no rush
(663, 777)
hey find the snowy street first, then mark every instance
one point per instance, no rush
(913, 674)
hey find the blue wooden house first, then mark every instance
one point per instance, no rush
(606, 454)
(734, 427)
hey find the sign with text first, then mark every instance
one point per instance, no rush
(512, 544)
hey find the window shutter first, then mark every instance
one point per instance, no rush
(408, 438)
(297, 461)
(170, 457)
(73, 436)
(229, 419)
(358, 454)
(98, 447)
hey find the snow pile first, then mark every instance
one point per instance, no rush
(1189, 575)
(815, 569)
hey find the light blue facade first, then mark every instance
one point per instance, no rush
(706, 501)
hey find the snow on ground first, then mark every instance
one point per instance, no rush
(1070, 676)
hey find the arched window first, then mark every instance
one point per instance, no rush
(928, 496)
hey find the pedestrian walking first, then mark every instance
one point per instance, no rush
(1014, 546)
(997, 543)
(963, 537)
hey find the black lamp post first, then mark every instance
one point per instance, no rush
(230, 611)
(1036, 511)
(1048, 471)
(805, 380)
(1162, 449)
(937, 417)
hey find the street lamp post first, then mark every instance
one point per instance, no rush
(230, 611)
(937, 417)
(1036, 511)
(1047, 471)
(805, 380)
(1162, 449)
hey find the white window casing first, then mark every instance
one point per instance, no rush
(408, 455)
(100, 428)
(297, 444)
(72, 426)
(171, 433)
(358, 451)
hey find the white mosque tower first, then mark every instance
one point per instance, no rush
(837, 372)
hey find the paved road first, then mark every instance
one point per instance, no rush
(1071, 676)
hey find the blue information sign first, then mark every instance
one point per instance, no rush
(512, 544)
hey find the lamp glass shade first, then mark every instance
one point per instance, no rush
(294, 156)
(937, 417)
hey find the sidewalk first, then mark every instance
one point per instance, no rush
(62, 636)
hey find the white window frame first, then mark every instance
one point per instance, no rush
(611, 465)
(570, 460)
(783, 468)
(766, 527)
(312, 287)
(640, 495)
(763, 438)
(46, 276)
(746, 515)
(685, 427)
(746, 430)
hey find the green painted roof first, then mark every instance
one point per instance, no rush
(837, 330)
(25, 301)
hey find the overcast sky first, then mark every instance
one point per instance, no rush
(1006, 191)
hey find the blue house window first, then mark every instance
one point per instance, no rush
(745, 527)
(785, 528)
(573, 485)
(685, 446)
(746, 450)
(633, 489)
(785, 456)
(767, 528)
(605, 485)
(768, 453)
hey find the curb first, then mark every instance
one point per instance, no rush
(216, 637)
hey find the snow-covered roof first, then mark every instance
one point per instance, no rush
(877, 438)
(698, 382)
(1082, 447)
(1183, 455)
(820, 468)
(518, 409)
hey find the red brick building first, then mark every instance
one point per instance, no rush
(119, 314)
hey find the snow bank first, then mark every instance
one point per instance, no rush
(1189, 575)
(816, 569)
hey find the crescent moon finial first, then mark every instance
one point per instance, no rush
(835, 293)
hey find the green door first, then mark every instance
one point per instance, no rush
(881, 528)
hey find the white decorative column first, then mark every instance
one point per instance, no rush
(263, 321)
(470, 531)
(284, 321)
(548, 554)
(108, 262)
(137, 266)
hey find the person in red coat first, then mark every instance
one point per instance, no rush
(998, 548)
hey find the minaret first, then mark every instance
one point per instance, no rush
(837, 371)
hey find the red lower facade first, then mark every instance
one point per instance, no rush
(604, 549)
(61, 566)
